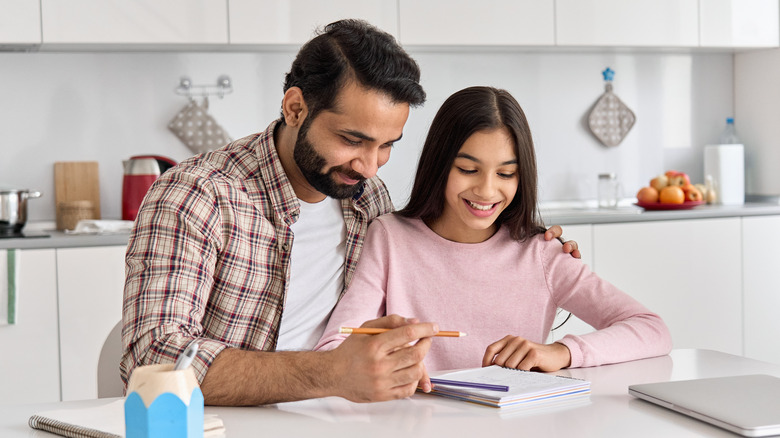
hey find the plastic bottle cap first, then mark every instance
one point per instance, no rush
(730, 120)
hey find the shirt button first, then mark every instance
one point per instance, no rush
(286, 246)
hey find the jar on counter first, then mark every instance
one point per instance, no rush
(609, 190)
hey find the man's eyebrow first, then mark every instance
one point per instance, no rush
(364, 136)
(476, 160)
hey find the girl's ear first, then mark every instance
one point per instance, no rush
(294, 107)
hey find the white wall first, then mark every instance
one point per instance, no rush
(109, 106)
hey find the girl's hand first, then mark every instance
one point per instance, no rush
(522, 354)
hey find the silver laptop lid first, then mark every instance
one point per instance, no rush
(748, 405)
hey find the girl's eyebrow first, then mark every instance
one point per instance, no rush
(476, 160)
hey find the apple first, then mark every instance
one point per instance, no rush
(692, 193)
(647, 195)
(679, 179)
(659, 182)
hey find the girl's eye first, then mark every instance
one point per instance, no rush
(466, 172)
(506, 175)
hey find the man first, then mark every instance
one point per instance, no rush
(211, 258)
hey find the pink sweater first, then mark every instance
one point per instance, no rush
(489, 290)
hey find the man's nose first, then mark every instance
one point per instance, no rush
(367, 163)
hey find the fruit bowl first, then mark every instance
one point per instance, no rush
(662, 206)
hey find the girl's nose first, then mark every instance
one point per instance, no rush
(485, 188)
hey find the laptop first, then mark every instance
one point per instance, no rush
(748, 405)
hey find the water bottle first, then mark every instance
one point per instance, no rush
(724, 167)
(729, 135)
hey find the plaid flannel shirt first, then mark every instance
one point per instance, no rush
(209, 254)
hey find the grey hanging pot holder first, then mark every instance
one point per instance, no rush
(195, 127)
(610, 120)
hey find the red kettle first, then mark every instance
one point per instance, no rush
(140, 172)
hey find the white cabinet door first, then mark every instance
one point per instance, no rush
(664, 23)
(90, 284)
(739, 23)
(20, 22)
(29, 362)
(761, 266)
(467, 22)
(687, 271)
(135, 22)
(294, 21)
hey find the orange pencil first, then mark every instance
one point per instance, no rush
(376, 331)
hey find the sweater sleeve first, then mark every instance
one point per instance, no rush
(625, 329)
(365, 298)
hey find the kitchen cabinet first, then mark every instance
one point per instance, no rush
(739, 23)
(756, 112)
(136, 22)
(90, 282)
(20, 22)
(687, 271)
(760, 266)
(294, 21)
(471, 23)
(661, 23)
(30, 365)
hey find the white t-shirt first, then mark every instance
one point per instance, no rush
(316, 274)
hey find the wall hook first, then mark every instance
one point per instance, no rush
(223, 86)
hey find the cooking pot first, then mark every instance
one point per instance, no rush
(13, 209)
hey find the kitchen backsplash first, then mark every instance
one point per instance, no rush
(107, 107)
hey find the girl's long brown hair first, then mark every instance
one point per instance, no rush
(468, 111)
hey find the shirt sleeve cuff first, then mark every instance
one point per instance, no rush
(574, 350)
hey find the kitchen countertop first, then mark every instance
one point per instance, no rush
(557, 214)
(552, 214)
(48, 238)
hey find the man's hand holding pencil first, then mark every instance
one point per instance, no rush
(384, 366)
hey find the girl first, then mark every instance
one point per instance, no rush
(468, 253)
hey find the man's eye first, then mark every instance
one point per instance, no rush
(351, 142)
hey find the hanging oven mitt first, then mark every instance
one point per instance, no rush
(610, 120)
(195, 127)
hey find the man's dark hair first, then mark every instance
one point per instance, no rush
(353, 50)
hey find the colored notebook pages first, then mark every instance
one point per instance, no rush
(525, 388)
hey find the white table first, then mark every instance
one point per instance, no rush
(611, 412)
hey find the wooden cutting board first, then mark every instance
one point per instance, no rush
(77, 181)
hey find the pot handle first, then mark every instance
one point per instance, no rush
(34, 194)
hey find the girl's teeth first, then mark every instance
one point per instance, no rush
(480, 207)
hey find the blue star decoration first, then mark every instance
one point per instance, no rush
(608, 74)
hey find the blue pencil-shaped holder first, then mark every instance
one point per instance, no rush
(163, 403)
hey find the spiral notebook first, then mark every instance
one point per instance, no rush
(104, 421)
(525, 388)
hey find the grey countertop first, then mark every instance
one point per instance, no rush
(556, 215)
(47, 238)
(552, 214)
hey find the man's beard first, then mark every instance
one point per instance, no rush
(311, 163)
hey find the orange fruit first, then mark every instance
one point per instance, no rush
(647, 195)
(671, 195)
